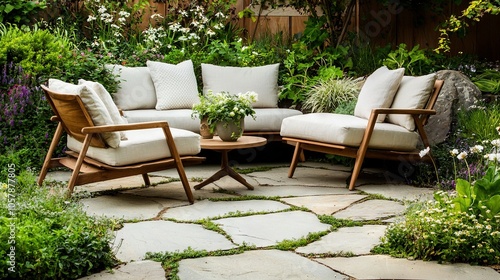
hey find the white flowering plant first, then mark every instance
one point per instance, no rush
(462, 225)
(225, 107)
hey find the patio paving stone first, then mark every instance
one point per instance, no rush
(128, 207)
(251, 265)
(136, 239)
(208, 209)
(270, 229)
(371, 210)
(303, 177)
(141, 270)
(385, 267)
(356, 240)
(324, 205)
(399, 191)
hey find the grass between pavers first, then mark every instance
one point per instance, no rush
(170, 260)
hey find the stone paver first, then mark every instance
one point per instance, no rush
(326, 204)
(319, 187)
(207, 209)
(355, 240)
(141, 270)
(371, 210)
(251, 265)
(385, 267)
(269, 229)
(400, 192)
(135, 240)
(128, 207)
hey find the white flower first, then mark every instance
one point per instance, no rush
(454, 152)
(156, 16)
(462, 155)
(210, 32)
(424, 152)
(102, 9)
(495, 142)
(476, 149)
(124, 14)
(91, 18)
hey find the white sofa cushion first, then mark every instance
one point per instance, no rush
(348, 130)
(268, 119)
(178, 118)
(108, 102)
(175, 85)
(94, 105)
(135, 88)
(413, 93)
(142, 146)
(263, 80)
(378, 92)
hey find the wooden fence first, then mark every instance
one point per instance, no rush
(385, 25)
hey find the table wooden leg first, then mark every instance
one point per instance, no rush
(224, 170)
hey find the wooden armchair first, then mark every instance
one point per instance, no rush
(150, 147)
(360, 138)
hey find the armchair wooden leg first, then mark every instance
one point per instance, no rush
(78, 165)
(50, 152)
(296, 156)
(145, 177)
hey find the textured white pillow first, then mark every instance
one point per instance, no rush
(413, 93)
(108, 102)
(175, 85)
(94, 105)
(378, 92)
(263, 80)
(135, 88)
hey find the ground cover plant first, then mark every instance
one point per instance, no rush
(45, 236)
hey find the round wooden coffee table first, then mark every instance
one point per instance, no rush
(224, 147)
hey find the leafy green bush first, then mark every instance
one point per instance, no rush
(19, 11)
(415, 61)
(48, 236)
(329, 94)
(37, 51)
(488, 81)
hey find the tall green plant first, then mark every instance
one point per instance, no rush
(415, 61)
(329, 94)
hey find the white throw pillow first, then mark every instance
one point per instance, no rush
(175, 85)
(413, 93)
(108, 102)
(378, 92)
(94, 105)
(262, 80)
(135, 88)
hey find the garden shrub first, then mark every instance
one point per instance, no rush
(19, 11)
(52, 238)
(330, 94)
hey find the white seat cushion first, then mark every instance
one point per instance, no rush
(262, 80)
(178, 118)
(413, 93)
(175, 85)
(142, 146)
(348, 130)
(268, 119)
(378, 92)
(135, 88)
(94, 105)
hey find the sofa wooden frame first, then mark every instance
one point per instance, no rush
(74, 119)
(420, 116)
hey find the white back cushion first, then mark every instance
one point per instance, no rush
(136, 89)
(108, 103)
(175, 85)
(413, 93)
(378, 92)
(263, 80)
(94, 105)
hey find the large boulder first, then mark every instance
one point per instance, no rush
(458, 92)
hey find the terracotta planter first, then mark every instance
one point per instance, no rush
(230, 131)
(205, 129)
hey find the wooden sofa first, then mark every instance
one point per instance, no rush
(388, 123)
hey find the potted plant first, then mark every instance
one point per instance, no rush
(225, 112)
